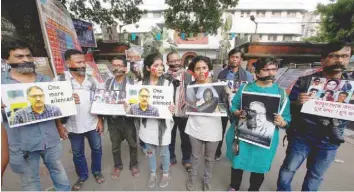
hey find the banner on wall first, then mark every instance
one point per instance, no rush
(85, 33)
(59, 32)
(28, 103)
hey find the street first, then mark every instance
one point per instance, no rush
(338, 178)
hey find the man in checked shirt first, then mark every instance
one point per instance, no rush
(143, 108)
(38, 109)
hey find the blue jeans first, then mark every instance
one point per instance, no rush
(78, 148)
(165, 157)
(28, 168)
(318, 161)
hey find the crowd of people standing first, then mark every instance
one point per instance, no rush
(310, 137)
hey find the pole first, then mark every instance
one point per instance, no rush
(256, 28)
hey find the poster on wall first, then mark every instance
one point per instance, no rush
(105, 72)
(43, 66)
(59, 32)
(257, 127)
(108, 102)
(149, 101)
(28, 103)
(330, 98)
(206, 99)
(85, 33)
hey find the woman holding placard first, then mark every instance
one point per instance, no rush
(156, 132)
(247, 156)
(204, 131)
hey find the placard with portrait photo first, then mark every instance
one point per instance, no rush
(108, 102)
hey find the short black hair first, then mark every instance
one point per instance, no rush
(122, 58)
(8, 46)
(236, 50)
(313, 89)
(317, 79)
(262, 62)
(148, 61)
(70, 52)
(330, 91)
(171, 53)
(332, 47)
(343, 92)
(200, 58)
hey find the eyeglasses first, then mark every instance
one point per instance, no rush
(337, 56)
(272, 69)
(36, 96)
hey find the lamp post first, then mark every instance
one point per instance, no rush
(254, 20)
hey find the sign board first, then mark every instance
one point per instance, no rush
(59, 32)
(85, 33)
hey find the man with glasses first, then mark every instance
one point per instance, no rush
(121, 127)
(38, 109)
(312, 137)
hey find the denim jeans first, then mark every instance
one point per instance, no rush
(180, 123)
(78, 148)
(165, 157)
(318, 161)
(28, 168)
(224, 121)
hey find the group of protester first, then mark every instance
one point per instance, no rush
(310, 137)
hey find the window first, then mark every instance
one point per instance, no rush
(245, 14)
(287, 38)
(291, 14)
(260, 14)
(276, 13)
(272, 38)
(156, 15)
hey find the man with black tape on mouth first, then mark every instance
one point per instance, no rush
(121, 127)
(30, 142)
(84, 124)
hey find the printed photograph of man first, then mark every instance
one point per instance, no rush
(346, 87)
(38, 109)
(327, 96)
(257, 121)
(143, 108)
(313, 93)
(316, 83)
(342, 97)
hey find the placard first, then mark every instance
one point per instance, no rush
(58, 30)
(28, 103)
(206, 99)
(108, 102)
(330, 98)
(232, 88)
(105, 72)
(258, 128)
(149, 101)
(84, 31)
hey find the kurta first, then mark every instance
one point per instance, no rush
(253, 158)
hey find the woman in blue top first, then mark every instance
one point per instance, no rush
(253, 158)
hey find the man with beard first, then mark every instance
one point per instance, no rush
(30, 142)
(234, 72)
(315, 137)
(84, 124)
(177, 72)
(122, 127)
(38, 109)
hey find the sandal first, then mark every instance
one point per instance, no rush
(188, 167)
(78, 185)
(135, 172)
(115, 173)
(99, 178)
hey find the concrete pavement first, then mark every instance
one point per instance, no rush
(338, 178)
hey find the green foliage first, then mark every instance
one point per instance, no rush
(337, 22)
(207, 15)
(104, 11)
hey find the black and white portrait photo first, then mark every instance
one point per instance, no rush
(258, 111)
(206, 99)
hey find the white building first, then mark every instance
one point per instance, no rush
(278, 20)
(311, 24)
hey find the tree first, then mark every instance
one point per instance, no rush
(337, 22)
(105, 11)
(195, 16)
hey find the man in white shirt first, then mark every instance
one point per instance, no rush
(84, 124)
